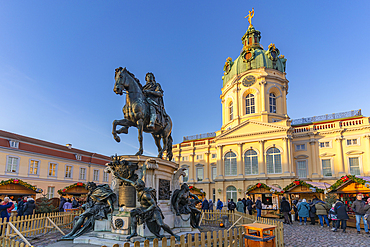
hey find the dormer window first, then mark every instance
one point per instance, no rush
(78, 156)
(13, 144)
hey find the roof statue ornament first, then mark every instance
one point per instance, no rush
(250, 16)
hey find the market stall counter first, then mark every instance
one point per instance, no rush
(346, 188)
(270, 196)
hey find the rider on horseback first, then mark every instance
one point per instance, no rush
(154, 94)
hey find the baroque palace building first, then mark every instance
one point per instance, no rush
(259, 143)
(48, 166)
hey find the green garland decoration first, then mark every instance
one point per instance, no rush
(303, 183)
(21, 182)
(61, 191)
(345, 178)
(196, 189)
(265, 186)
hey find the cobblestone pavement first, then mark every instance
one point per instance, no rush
(313, 235)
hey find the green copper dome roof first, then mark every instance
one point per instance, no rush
(253, 56)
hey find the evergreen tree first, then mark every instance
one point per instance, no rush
(44, 205)
(331, 199)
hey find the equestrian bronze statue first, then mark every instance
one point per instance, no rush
(148, 212)
(144, 110)
(98, 204)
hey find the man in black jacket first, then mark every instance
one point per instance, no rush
(62, 201)
(249, 205)
(245, 204)
(259, 207)
(74, 203)
(341, 211)
(285, 209)
(359, 208)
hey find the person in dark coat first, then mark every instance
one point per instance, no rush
(62, 201)
(231, 205)
(285, 209)
(312, 212)
(358, 207)
(4, 208)
(74, 203)
(245, 205)
(219, 204)
(341, 210)
(20, 207)
(259, 207)
(294, 206)
(29, 207)
(205, 204)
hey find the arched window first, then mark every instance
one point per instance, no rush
(249, 104)
(231, 193)
(273, 160)
(272, 103)
(250, 162)
(231, 111)
(230, 164)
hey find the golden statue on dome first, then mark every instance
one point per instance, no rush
(250, 16)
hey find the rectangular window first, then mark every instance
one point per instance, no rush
(214, 156)
(13, 144)
(50, 192)
(214, 195)
(12, 165)
(199, 156)
(300, 147)
(105, 176)
(52, 170)
(186, 178)
(34, 167)
(96, 175)
(324, 144)
(301, 169)
(78, 156)
(68, 172)
(326, 168)
(82, 173)
(199, 174)
(354, 166)
(214, 173)
(351, 142)
(185, 158)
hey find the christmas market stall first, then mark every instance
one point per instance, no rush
(76, 190)
(270, 197)
(16, 188)
(346, 188)
(308, 190)
(198, 192)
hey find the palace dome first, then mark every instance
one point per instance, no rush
(253, 56)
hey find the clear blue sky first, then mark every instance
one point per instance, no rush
(57, 61)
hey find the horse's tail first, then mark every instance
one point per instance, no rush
(169, 148)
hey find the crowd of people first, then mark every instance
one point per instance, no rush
(25, 206)
(68, 203)
(337, 213)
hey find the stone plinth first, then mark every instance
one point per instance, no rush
(102, 226)
(121, 225)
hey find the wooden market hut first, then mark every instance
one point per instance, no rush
(16, 188)
(198, 192)
(346, 188)
(270, 197)
(76, 189)
(299, 189)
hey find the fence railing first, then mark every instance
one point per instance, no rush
(237, 219)
(7, 242)
(27, 227)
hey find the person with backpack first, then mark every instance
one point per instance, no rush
(303, 211)
(333, 216)
(231, 206)
(358, 207)
(312, 212)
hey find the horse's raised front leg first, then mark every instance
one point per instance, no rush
(140, 126)
(124, 129)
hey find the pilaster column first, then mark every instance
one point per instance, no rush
(284, 100)
(366, 165)
(285, 164)
(313, 170)
(206, 167)
(192, 169)
(263, 96)
(261, 161)
(342, 169)
(240, 160)
(291, 158)
(220, 162)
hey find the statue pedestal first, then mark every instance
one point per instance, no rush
(102, 226)
(121, 225)
(182, 225)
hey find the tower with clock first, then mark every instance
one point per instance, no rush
(254, 84)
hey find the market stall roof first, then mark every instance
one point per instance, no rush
(299, 186)
(15, 186)
(74, 189)
(351, 184)
(261, 188)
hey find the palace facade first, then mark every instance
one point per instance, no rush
(48, 166)
(259, 143)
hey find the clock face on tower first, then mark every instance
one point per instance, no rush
(248, 81)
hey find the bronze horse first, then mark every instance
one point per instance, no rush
(136, 113)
